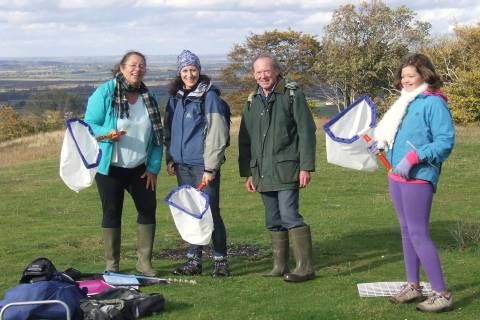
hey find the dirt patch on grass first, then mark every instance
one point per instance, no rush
(233, 250)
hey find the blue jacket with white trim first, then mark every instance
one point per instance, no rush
(194, 135)
(427, 128)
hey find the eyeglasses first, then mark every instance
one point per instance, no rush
(134, 66)
(263, 73)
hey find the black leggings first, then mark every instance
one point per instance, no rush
(111, 189)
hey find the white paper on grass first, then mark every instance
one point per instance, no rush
(191, 213)
(344, 136)
(80, 155)
(387, 289)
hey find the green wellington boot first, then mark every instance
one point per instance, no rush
(145, 237)
(111, 243)
(280, 253)
(301, 240)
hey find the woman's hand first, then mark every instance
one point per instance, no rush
(171, 168)
(114, 135)
(207, 178)
(151, 180)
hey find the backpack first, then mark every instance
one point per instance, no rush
(121, 304)
(42, 269)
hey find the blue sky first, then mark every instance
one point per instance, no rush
(36, 28)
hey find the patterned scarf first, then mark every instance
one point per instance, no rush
(387, 128)
(120, 104)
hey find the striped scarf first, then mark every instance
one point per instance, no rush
(120, 104)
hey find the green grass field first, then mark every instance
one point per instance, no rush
(355, 233)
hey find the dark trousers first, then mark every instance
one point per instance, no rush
(192, 175)
(112, 188)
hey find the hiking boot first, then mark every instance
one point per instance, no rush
(221, 269)
(190, 268)
(436, 303)
(406, 295)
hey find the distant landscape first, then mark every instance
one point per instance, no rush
(22, 78)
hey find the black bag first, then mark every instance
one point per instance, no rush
(40, 269)
(121, 304)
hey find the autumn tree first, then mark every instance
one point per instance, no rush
(11, 124)
(362, 46)
(295, 51)
(457, 60)
(455, 54)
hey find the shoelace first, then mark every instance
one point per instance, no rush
(434, 298)
(406, 289)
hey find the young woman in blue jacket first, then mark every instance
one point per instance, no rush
(196, 136)
(418, 134)
(130, 161)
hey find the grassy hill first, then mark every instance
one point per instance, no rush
(354, 229)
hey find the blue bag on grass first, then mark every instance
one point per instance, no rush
(69, 293)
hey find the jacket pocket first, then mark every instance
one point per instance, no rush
(288, 170)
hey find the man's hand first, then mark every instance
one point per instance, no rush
(304, 178)
(151, 180)
(249, 185)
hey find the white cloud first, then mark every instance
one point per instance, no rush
(84, 4)
(93, 27)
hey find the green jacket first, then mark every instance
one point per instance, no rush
(277, 139)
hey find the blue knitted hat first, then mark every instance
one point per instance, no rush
(188, 58)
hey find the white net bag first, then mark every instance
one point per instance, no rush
(80, 155)
(191, 213)
(344, 136)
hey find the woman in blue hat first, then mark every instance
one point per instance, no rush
(196, 136)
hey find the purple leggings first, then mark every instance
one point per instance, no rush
(413, 203)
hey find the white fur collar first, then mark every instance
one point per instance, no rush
(387, 128)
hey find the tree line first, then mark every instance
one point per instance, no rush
(358, 54)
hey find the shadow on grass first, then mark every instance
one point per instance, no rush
(354, 252)
(466, 299)
(368, 249)
(176, 306)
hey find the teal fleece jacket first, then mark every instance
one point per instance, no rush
(101, 118)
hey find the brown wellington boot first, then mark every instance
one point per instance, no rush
(280, 253)
(111, 243)
(145, 237)
(301, 240)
